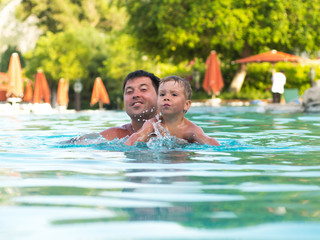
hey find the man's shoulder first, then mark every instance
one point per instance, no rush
(116, 132)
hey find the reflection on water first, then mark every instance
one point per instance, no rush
(262, 181)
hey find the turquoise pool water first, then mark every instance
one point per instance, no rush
(262, 183)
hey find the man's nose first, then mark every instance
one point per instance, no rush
(136, 94)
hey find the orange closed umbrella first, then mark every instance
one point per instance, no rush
(27, 97)
(99, 93)
(213, 81)
(41, 89)
(62, 93)
(15, 83)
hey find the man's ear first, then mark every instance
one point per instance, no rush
(187, 105)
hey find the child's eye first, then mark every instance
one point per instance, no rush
(174, 94)
(161, 94)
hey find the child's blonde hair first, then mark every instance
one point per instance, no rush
(186, 85)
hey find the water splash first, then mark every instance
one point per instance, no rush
(159, 142)
(159, 130)
(166, 143)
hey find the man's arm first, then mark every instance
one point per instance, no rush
(115, 132)
(81, 139)
(109, 134)
(142, 135)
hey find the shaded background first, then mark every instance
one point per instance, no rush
(84, 39)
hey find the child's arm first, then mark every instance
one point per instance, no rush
(142, 135)
(200, 137)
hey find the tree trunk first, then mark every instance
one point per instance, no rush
(238, 79)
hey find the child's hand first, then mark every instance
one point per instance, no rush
(142, 135)
(132, 139)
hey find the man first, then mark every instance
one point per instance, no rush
(174, 100)
(140, 94)
(140, 90)
(278, 82)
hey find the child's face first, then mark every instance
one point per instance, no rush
(171, 98)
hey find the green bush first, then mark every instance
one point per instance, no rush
(297, 75)
(257, 84)
(247, 93)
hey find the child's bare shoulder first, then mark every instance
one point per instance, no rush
(192, 127)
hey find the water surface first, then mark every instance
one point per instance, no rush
(262, 183)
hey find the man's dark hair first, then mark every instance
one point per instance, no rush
(141, 73)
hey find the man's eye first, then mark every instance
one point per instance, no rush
(143, 89)
(129, 91)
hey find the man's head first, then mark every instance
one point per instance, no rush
(141, 73)
(140, 95)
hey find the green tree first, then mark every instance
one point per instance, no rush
(5, 58)
(183, 29)
(59, 15)
(67, 54)
(48, 56)
(80, 36)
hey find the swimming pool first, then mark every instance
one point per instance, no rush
(262, 183)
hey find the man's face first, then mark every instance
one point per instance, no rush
(140, 98)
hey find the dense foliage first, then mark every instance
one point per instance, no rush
(84, 39)
(183, 29)
(59, 15)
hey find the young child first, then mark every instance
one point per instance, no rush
(174, 100)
